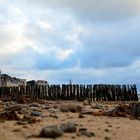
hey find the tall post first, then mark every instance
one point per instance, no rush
(0, 79)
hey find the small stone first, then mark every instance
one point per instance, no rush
(107, 138)
(36, 113)
(52, 131)
(68, 127)
(109, 125)
(106, 130)
(81, 116)
(35, 105)
(86, 133)
(16, 130)
(73, 137)
(82, 129)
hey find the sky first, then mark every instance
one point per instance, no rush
(89, 41)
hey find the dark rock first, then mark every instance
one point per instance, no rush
(36, 113)
(68, 127)
(52, 131)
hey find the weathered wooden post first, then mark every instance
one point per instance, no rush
(77, 87)
(73, 92)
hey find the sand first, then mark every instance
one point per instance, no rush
(104, 127)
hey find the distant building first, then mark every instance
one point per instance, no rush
(8, 81)
(38, 82)
(42, 83)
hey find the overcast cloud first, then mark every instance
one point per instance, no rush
(91, 41)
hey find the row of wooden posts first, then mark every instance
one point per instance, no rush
(100, 92)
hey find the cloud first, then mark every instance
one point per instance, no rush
(88, 41)
(96, 9)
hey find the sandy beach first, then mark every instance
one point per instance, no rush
(48, 113)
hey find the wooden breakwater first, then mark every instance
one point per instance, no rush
(98, 92)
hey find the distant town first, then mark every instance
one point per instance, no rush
(9, 81)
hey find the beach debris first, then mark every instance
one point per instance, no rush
(24, 99)
(13, 108)
(29, 119)
(52, 131)
(9, 115)
(121, 110)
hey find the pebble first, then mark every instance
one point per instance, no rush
(52, 131)
(36, 113)
(81, 116)
(35, 105)
(107, 138)
(106, 130)
(68, 127)
(83, 131)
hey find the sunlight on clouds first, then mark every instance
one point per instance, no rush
(74, 35)
(63, 54)
(45, 25)
(16, 11)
